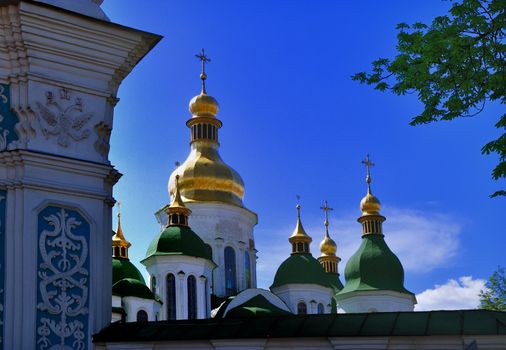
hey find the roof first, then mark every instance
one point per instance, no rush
(129, 287)
(300, 268)
(179, 240)
(430, 323)
(123, 268)
(373, 267)
(254, 307)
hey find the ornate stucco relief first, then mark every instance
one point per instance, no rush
(64, 118)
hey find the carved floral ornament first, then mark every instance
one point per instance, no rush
(63, 280)
(64, 118)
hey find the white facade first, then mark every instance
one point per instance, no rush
(375, 301)
(223, 225)
(181, 267)
(311, 295)
(133, 305)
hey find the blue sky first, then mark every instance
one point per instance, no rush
(295, 123)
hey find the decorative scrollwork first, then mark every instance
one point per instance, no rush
(63, 280)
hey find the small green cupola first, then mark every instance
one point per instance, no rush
(127, 280)
(373, 267)
(178, 238)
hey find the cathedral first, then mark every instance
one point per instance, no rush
(65, 284)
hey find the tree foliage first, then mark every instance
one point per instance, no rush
(493, 297)
(455, 65)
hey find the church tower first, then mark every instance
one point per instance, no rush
(180, 266)
(301, 281)
(61, 64)
(214, 193)
(374, 275)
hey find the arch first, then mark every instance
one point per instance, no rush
(321, 309)
(153, 284)
(247, 269)
(170, 299)
(142, 316)
(301, 308)
(192, 297)
(230, 272)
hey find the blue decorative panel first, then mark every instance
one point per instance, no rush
(62, 279)
(3, 198)
(8, 119)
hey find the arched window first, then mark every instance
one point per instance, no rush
(192, 297)
(301, 308)
(142, 316)
(321, 308)
(230, 274)
(153, 284)
(247, 270)
(171, 297)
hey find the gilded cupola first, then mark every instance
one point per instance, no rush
(370, 206)
(299, 239)
(328, 258)
(204, 176)
(119, 244)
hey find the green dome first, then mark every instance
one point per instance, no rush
(334, 281)
(374, 267)
(129, 287)
(255, 307)
(179, 240)
(123, 268)
(300, 268)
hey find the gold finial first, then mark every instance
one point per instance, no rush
(299, 239)
(326, 209)
(369, 204)
(368, 165)
(203, 76)
(177, 210)
(119, 243)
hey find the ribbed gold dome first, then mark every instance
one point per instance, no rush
(203, 105)
(328, 246)
(205, 177)
(370, 204)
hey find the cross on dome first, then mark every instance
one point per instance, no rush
(203, 76)
(326, 209)
(368, 164)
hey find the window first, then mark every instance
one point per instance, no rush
(321, 309)
(171, 297)
(301, 308)
(199, 131)
(205, 297)
(230, 274)
(247, 270)
(300, 247)
(142, 316)
(153, 284)
(192, 297)
(116, 251)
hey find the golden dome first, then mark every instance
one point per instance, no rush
(204, 177)
(203, 105)
(328, 246)
(370, 204)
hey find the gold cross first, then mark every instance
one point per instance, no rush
(203, 76)
(326, 209)
(368, 164)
